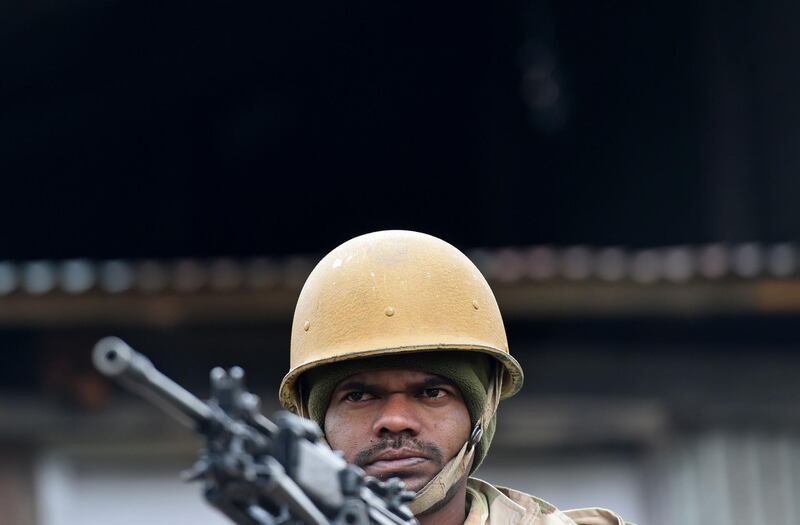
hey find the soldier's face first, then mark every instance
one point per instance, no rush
(402, 423)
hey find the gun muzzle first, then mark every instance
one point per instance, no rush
(115, 359)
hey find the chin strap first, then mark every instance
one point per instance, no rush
(455, 469)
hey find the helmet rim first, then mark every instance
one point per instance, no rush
(513, 374)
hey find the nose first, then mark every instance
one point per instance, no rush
(397, 415)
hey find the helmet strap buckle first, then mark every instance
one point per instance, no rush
(476, 435)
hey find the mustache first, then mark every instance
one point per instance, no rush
(430, 450)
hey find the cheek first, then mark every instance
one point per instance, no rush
(452, 431)
(345, 434)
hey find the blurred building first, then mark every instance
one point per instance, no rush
(659, 382)
(649, 142)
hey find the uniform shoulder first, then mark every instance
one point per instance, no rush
(547, 512)
(596, 516)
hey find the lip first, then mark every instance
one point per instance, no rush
(394, 460)
(396, 464)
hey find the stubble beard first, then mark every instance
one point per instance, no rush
(427, 449)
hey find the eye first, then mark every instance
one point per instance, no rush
(433, 393)
(357, 396)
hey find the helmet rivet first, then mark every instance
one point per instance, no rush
(475, 304)
(389, 311)
(306, 325)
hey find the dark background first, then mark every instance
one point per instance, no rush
(135, 129)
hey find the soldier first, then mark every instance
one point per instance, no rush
(399, 353)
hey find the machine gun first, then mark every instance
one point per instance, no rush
(256, 471)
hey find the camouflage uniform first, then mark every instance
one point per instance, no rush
(489, 505)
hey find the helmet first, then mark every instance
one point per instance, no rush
(393, 292)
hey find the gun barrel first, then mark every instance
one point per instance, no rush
(115, 359)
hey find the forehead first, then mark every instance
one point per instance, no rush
(393, 378)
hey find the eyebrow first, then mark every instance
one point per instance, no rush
(431, 382)
(354, 385)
